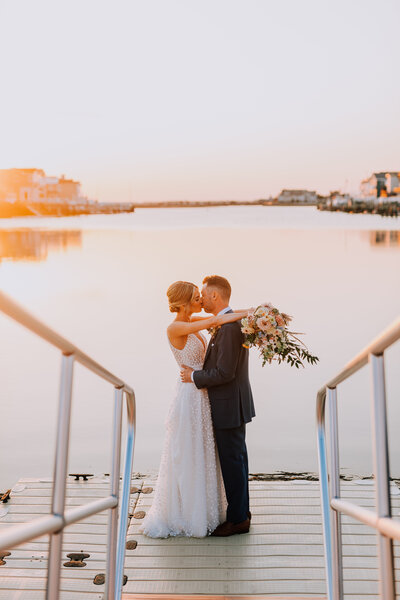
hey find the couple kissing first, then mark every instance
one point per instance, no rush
(202, 487)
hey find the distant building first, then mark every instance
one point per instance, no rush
(380, 185)
(339, 199)
(20, 184)
(68, 188)
(393, 183)
(32, 185)
(297, 196)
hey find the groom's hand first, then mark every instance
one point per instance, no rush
(186, 374)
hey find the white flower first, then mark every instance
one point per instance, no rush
(247, 330)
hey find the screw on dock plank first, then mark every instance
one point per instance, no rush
(79, 475)
(76, 559)
(2, 557)
(5, 496)
(100, 579)
(131, 544)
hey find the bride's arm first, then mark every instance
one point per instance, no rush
(182, 328)
(194, 319)
(243, 311)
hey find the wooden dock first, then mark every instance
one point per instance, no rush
(282, 556)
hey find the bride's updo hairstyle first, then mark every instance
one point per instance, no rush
(179, 294)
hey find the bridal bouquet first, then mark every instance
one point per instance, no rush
(266, 329)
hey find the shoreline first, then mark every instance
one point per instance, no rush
(281, 476)
(209, 204)
(387, 209)
(278, 476)
(21, 209)
(296, 476)
(65, 209)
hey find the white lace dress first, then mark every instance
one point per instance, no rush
(189, 496)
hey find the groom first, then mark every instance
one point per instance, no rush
(225, 375)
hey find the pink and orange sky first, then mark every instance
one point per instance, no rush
(200, 100)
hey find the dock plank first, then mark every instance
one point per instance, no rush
(281, 556)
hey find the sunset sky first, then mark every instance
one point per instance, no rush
(201, 100)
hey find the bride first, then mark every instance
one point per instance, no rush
(189, 497)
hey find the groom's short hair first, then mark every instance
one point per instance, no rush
(221, 284)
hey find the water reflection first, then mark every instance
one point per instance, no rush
(385, 238)
(35, 244)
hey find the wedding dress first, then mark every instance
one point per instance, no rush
(189, 497)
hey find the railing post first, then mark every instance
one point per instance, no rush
(324, 488)
(382, 474)
(114, 480)
(60, 475)
(126, 486)
(334, 472)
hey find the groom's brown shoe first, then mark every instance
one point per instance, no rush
(226, 529)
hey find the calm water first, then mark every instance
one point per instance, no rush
(101, 282)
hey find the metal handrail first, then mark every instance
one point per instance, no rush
(55, 522)
(9, 307)
(332, 504)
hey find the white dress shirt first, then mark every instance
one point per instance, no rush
(221, 312)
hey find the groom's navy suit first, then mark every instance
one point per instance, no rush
(225, 375)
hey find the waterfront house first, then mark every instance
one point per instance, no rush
(380, 185)
(31, 186)
(297, 197)
(20, 185)
(27, 192)
(393, 183)
(61, 190)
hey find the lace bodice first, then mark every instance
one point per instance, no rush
(192, 354)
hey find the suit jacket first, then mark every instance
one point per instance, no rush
(225, 374)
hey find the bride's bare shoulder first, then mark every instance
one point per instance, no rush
(171, 327)
(177, 329)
